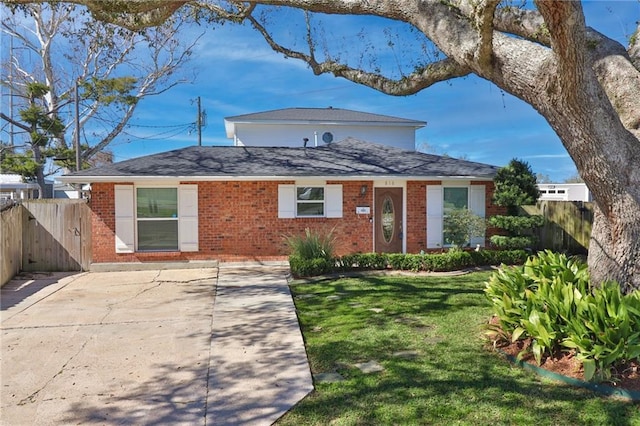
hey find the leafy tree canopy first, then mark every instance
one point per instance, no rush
(515, 186)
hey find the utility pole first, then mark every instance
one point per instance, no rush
(11, 91)
(76, 139)
(199, 123)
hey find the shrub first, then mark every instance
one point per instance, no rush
(310, 267)
(512, 243)
(461, 225)
(312, 245)
(372, 261)
(454, 259)
(549, 299)
(516, 224)
(498, 257)
(606, 331)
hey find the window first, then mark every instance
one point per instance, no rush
(157, 218)
(309, 201)
(443, 199)
(453, 199)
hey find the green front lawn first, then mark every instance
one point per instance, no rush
(427, 334)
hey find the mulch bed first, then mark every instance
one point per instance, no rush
(625, 376)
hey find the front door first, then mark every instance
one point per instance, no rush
(388, 220)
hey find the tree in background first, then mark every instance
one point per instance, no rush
(574, 179)
(586, 85)
(42, 127)
(515, 186)
(53, 47)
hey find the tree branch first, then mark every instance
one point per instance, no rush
(433, 73)
(14, 122)
(524, 23)
(483, 15)
(133, 14)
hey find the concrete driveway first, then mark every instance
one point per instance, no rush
(216, 346)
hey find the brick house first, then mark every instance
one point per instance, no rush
(238, 202)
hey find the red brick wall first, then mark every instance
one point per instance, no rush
(416, 227)
(239, 221)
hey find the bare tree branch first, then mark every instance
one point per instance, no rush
(433, 73)
(14, 122)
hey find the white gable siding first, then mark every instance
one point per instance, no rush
(292, 135)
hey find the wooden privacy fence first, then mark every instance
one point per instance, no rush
(10, 242)
(55, 235)
(567, 225)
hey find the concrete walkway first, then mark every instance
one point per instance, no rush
(195, 347)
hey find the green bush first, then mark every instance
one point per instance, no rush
(512, 243)
(372, 261)
(516, 224)
(606, 331)
(461, 225)
(498, 257)
(452, 260)
(549, 299)
(449, 261)
(310, 267)
(312, 245)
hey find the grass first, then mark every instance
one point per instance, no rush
(446, 376)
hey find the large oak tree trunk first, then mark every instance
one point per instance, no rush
(614, 250)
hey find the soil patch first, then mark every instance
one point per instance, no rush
(625, 376)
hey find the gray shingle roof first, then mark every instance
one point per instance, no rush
(348, 158)
(323, 115)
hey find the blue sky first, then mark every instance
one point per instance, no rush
(237, 73)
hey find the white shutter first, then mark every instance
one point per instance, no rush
(286, 201)
(188, 217)
(125, 219)
(434, 216)
(477, 206)
(333, 200)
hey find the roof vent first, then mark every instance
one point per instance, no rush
(327, 137)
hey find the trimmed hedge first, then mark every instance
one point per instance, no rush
(512, 243)
(433, 262)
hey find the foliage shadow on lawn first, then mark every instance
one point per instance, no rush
(453, 379)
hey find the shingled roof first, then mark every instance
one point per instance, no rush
(348, 159)
(322, 115)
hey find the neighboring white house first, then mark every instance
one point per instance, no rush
(13, 187)
(564, 192)
(296, 127)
